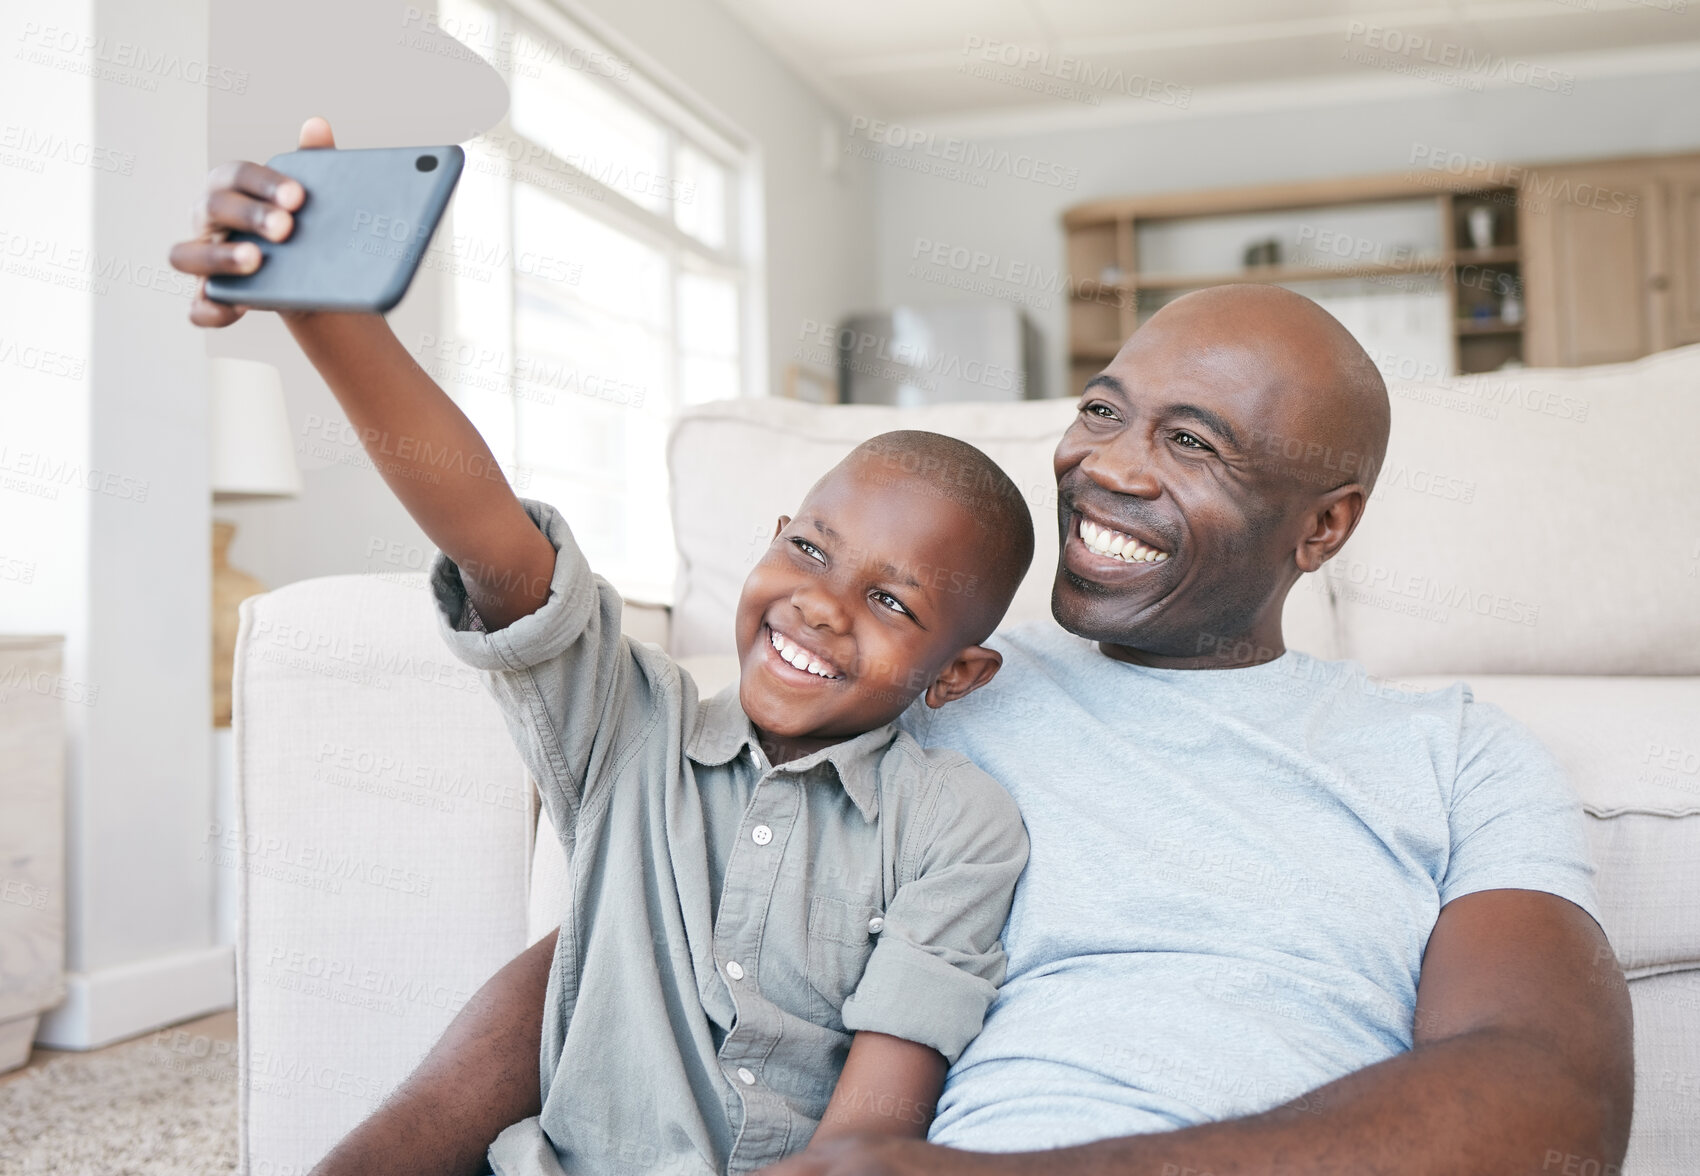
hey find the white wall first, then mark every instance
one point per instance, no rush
(1278, 135)
(105, 494)
(817, 262)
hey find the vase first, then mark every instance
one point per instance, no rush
(1480, 221)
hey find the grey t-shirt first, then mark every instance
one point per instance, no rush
(1232, 877)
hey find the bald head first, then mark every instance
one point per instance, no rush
(1231, 445)
(1326, 401)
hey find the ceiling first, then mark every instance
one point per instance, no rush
(938, 59)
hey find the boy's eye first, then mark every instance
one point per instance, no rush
(887, 600)
(809, 549)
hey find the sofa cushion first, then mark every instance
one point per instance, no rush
(737, 465)
(1533, 522)
(1631, 747)
(1666, 1136)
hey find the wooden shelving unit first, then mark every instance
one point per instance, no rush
(1112, 295)
(1603, 255)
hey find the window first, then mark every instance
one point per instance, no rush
(614, 287)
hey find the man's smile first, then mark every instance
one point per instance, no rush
(1098, 552)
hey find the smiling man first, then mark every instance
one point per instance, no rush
(1277, 917)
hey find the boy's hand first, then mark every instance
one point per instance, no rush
(246, 196)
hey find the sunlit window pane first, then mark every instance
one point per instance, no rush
(708, 315)
(586, 124)
(700, 205)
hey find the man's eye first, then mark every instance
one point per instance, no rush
(810, 550)
(1099, 409)
(889, 601)
(1191, 442)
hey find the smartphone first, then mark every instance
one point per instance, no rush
(360, 234)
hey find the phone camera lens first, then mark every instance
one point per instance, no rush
(426, 163)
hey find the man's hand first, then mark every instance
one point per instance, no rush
(240, 196)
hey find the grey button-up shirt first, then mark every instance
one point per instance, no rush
(731, 923)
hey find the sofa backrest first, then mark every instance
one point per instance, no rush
(1529, 522)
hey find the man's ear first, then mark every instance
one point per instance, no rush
(969, 670)
(1330, 524)
(784, 521)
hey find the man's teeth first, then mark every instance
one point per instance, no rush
(1124, 547)
(802, 658)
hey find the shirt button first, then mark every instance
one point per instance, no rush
(876, 925)
(744, 1076)
(761, 835)
(735, 970)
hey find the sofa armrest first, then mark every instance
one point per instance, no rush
(383, 842)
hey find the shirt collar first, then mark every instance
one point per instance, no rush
(723, 731)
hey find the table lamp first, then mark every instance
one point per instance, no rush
(253, 460)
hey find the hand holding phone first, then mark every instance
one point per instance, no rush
(316, 229)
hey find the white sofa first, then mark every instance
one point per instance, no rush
(1537, 533)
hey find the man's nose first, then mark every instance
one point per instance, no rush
(1123, 466)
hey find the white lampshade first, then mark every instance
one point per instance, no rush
(252, 457)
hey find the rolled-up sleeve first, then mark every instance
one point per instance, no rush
(575, 693)
(939, 958)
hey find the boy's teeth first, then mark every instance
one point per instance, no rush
(797, 656)
(1113, 543)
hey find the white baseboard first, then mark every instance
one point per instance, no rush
(115, 1003)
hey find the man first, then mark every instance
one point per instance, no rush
(1277, 917)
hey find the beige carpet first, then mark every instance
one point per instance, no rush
(162, 1104)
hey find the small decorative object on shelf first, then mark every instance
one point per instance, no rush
(1262, 253)
(1480, 219)
(1511, 309)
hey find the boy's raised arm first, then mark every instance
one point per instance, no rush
(423, 445)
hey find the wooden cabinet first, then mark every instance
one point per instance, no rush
(1614, 259)
(1680, 180)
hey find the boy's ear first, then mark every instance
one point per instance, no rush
(784, 521)
(969, 670)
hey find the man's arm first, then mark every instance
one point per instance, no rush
(421, 443)
(480, 1078)
(1522, 1064)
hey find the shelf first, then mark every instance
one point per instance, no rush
(1486, 327)
(1498, 255)
(1286, 273)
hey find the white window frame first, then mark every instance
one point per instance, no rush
(684, 119)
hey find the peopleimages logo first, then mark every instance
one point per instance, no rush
(951, 149)
(1462, 62)
(1063, 74)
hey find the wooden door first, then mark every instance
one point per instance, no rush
(1589, 237)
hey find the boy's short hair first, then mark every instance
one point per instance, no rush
(957, 471)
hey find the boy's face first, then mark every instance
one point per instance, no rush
(874, 587)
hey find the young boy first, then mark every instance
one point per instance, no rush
(785, 913)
